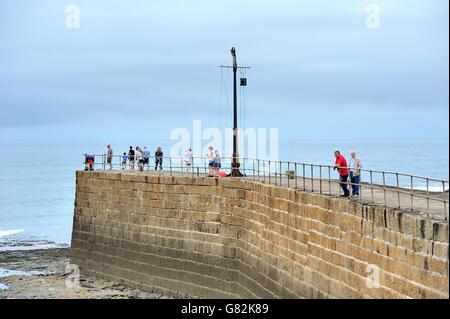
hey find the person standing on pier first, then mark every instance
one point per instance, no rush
(131, 158)
(341, 166)
(124, 161)
(188, 159)
(109, 156)
(211, 163)
(159, 159)
(139, 159)
(146, 156)
(355, 173)
(218, 163)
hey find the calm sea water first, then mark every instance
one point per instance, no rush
(37, 178)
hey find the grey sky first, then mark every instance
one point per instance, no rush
(145, 67)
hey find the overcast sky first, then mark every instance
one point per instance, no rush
(143, 68)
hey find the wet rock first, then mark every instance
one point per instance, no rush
(46, 279)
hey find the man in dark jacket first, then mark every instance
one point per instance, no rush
(158, 159)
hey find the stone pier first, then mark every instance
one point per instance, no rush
(236, 238)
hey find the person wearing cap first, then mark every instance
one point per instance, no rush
(355, 173)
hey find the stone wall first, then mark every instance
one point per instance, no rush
(231, 238)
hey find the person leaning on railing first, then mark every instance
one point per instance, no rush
(341, 166)
(146, 157)
(89, 163)
(159, 159)
(355, 173)
(124, 161)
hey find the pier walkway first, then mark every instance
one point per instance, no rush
(424, 195)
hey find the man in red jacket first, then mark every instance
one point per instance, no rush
(341, 166)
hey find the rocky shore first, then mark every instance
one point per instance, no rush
(46, 274)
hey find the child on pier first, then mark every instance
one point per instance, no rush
(124, 161)
(217, 163)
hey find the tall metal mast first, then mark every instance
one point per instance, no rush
(235, 165)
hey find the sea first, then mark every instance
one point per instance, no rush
(37, 178)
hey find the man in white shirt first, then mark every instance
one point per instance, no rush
(355, 173)
(188, 159)
(211, 163)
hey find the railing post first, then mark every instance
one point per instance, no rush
(411, 191)
(296, 179)
(104, 161)
(312, 178)
(445, 202)
(304, 178)
(264, 170)
(270, 180)
(398, 190)
(371, 186)
(281, 173)
(428, 197)
(360, 184)
(329, 180)
(259, 172)
(320, 179)
(384, 189)
(275, 166)
(288, 173)
(275, 173)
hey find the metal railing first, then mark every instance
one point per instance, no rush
(391, 189)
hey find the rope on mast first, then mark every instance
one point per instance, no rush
(224, 92)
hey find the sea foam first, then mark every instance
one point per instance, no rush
(10, 232)
(9, 273)
(30, 246)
